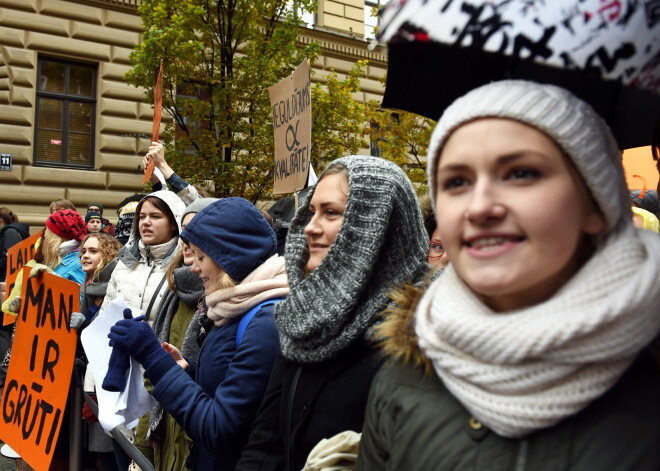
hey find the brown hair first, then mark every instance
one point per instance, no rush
(61, 204)
(267, 218)
(426, 205)
(334, 170)
(177, 261)
(108, 246)
(8, 215)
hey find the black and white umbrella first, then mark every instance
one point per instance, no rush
(607, 52)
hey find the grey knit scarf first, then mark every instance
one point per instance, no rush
(382, 243)
(98, 288)
(189, 289)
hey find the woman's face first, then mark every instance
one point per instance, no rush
(90, 255)
(437, 257)
(154, 225)
(511, 212)
(188, 255)
(327, 205)
(208, 271)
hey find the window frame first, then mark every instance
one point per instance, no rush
(66, 99)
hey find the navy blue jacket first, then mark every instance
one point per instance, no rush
(218, 406)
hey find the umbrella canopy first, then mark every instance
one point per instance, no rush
(607, 52)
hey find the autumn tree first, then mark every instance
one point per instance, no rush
(337, 118)
(341, 125)
(401, 137)
(219, 57)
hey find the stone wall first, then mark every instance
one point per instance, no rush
(103, 33)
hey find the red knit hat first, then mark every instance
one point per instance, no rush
(67, 224)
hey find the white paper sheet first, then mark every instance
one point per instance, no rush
(161, 178)
(115, 408)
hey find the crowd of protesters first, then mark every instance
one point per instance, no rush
(508, 319)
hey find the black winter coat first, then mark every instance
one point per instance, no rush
(10, 235)
(305, 403)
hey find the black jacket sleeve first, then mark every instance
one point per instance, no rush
(10, 236)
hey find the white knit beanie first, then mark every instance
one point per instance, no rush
(573, 125)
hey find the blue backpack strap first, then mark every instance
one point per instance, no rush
(247, 317)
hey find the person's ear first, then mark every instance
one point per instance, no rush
(594, 222)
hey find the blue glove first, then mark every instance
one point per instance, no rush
(118, 365)
(138, 340)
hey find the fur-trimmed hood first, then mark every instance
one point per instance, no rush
(395, 334)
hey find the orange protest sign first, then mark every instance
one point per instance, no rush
(40, 368)
(17, 256)
(291, 106)
(640, 169)
(155, 128)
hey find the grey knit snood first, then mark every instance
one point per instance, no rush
(382, 243)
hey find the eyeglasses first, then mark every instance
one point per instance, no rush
(436, 249)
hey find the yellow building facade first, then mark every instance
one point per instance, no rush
(71, 126)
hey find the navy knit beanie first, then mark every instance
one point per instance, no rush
(92, 215)
(234, 234)
(97, 204)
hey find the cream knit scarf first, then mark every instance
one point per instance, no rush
(525, 370)
(267, 281)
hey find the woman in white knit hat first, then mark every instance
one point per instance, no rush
(140, 274)
(531, 350)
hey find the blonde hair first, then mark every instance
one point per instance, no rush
(50, 249)
(225, 280)
(108, 246)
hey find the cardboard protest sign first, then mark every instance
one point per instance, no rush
(40, 368)
(155, 127)
(291, 102)
(17, 256)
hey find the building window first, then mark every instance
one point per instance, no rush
(374, 139)
(373, 148)
(371, 17)
(66, 106)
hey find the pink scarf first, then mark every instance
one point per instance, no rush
(267, 281)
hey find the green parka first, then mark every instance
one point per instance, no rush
(414, 423)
